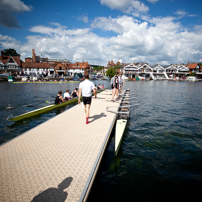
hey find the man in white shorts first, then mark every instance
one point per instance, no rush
(85, 89)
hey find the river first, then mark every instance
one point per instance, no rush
(160, 158)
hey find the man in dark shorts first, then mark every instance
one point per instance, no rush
(85, 89)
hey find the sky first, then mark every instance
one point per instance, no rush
(151, 31)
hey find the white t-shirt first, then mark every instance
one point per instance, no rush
(86, 86)
(66, 95)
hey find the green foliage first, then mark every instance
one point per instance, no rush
(10, 52)
(117, 66)
(99, 68)
(111, 72)
(192, 74)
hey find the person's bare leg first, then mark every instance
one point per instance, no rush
(113, 94)
(117, 93)
(87, 111)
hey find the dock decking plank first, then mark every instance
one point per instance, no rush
(62, 148)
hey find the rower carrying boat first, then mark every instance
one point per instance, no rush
(122, 116)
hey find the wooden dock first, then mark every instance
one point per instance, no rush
(57, 160)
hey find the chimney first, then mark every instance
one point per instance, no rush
(33, 55)
(2, 54)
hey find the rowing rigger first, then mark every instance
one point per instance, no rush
(123, 113)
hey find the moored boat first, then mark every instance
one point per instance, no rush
(44, 109)
(119, 131)
(191, 78)
(122, 116)
(41, 110)
(11, 78)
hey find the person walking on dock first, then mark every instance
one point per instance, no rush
(85, 89)
(113, 88)
(121, 82)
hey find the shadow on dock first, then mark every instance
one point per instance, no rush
(54, 194)
(95, 117)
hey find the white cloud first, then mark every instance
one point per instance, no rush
(107, 24)
(58, 29)
(153, 1)
(14, 5)
(183, 13)
(127, 6)
(8, 42)
(114, 4)
(156, 41)
(83, 18)
(7, 10)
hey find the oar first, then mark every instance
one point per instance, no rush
(50, 102)
(32, 105)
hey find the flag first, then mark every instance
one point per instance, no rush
(200, 60)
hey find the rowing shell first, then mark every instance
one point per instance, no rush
(122, 115)
(44, 109)
(120, 127)
(41, 110)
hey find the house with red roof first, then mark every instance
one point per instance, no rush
(193, 67)
(37, 65)
(10, 64)
(78, 68)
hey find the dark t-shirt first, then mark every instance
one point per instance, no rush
(57, 99)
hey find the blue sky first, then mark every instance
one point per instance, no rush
(154, 31)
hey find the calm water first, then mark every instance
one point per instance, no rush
(160, 158)
(26, 97)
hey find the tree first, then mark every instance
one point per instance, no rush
(192, 74)
(10, 52)
(111, 72)
(117, 66)
(99, 68)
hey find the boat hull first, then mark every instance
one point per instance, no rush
(41, 110)
(120, 128)
(44, 109)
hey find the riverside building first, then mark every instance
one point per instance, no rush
(10, 65)
(53, 67)
(157, 72)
